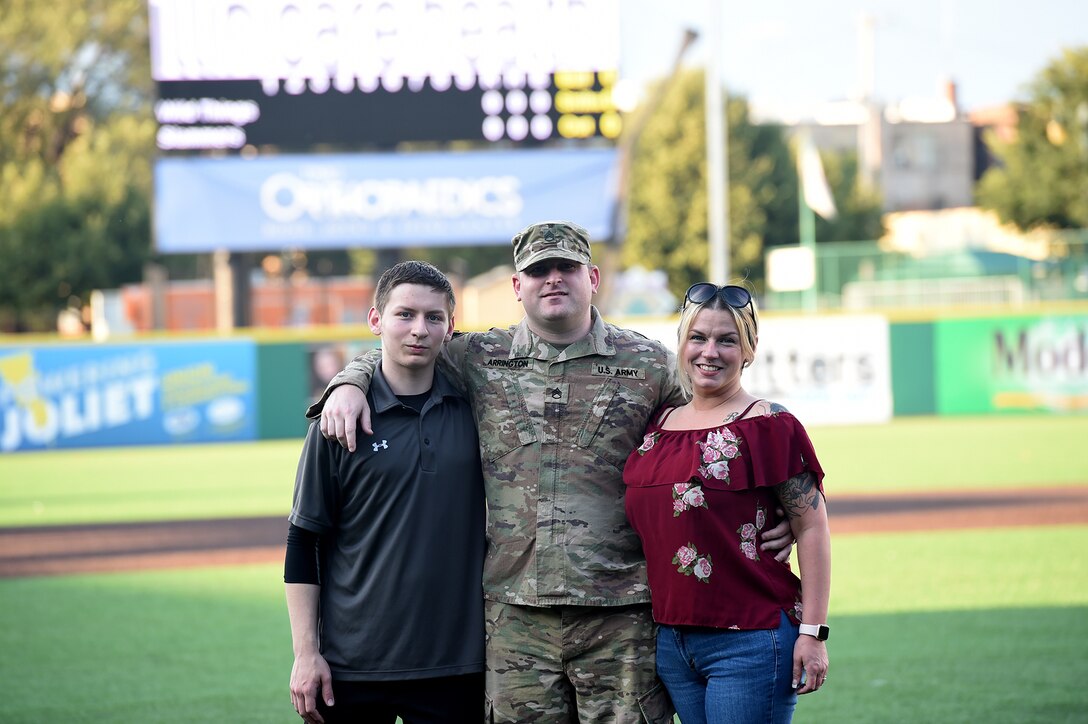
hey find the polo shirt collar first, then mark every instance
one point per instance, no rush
(384, 399)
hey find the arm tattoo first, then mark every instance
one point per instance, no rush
(799, 493)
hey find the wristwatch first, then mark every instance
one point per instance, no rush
(819, 630)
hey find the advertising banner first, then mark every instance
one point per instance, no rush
(825, 370)
(1012, 364)
(377, 200)
(67, 396)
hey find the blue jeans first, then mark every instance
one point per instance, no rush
(724, 675)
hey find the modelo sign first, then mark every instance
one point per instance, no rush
(1017, 364)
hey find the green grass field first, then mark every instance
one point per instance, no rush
(229, 480)
(936, 626)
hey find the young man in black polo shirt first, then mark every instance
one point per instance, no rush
(386, 545)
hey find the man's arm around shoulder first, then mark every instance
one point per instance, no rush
(343, 408)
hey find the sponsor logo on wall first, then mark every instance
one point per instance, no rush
(68, 396)
(825, 370)
(1013, 364)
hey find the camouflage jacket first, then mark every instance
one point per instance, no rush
(556, 426)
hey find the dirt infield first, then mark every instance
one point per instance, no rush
(55, 550)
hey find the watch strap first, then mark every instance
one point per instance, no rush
(819, 630)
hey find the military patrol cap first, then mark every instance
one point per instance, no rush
(551, 240)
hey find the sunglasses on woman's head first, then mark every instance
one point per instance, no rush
(734, 296)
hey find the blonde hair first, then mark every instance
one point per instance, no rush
(746, 317)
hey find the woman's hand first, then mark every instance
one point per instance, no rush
(809, 657)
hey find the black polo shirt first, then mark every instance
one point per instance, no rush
(402, 520)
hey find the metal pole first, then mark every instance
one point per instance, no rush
(806, 221)
(717, 140)
(869, 131)
(609, 259)
(808, 241)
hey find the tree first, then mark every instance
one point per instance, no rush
(667, 227)
(64, 63)
(1042, 175)
(76, 142)
(667, 224)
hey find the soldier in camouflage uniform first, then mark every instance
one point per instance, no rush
(560, 399)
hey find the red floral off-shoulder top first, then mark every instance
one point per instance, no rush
(699, 499)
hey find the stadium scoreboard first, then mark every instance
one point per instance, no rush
(354, 73)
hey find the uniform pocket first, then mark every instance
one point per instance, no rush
(506, 425)
(616, 420)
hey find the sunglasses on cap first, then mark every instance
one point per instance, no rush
(734, 296)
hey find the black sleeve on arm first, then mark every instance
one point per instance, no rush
(302, 562)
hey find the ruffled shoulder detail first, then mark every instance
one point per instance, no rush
(773, 449)
(754, 452)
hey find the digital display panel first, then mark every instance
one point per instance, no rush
(355, 73)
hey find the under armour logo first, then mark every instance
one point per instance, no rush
(383, 445)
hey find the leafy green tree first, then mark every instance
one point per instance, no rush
(76, 142)
(64, 63)
(667, 226)
(667, 216)
(1042, 175)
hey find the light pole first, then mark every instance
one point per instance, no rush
(627, 142)
(717, 171)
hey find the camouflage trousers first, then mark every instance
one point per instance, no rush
(565, 664)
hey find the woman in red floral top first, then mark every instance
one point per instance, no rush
(741, 636)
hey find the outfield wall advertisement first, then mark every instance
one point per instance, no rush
(825, 370)
(1012, 364)
(66, 396)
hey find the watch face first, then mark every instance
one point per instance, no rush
(818, 630)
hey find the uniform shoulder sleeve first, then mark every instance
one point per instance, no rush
(672, 394)
(452, 359)
(662, 363)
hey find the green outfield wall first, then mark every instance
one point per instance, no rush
(912, 373)
(291, 375)
(832, 368)
(1011, 364)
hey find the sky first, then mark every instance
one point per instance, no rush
(792, 54)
